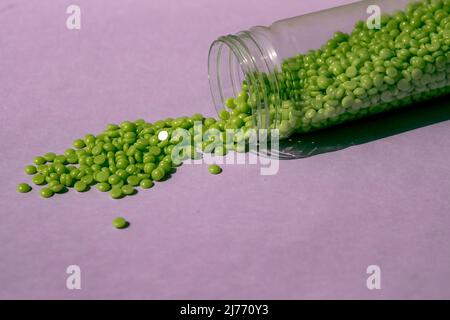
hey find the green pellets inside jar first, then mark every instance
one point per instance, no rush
(351, 75)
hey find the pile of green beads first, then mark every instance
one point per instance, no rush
(133, 155)
(358, 74)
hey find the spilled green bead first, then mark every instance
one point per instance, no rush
(214, 169)
(23, 188)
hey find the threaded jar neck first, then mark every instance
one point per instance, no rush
(246, 55)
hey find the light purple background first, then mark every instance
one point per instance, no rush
(308, 232)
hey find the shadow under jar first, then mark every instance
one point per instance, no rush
(330, 67)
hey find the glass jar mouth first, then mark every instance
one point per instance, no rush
(233, 59)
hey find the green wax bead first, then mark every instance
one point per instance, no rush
(209, 122)
(242, 96)
(104, 187)
(230, 103)
(351, 72)
(417, 62)
(404, 85)
(144, 176)
(166, 166)
(23, 188)
(148, 158)
(149, 167)
(60, 159)
(56, 186)
(69, 151)
(72, 158)
(128, 126)
(66, 179)
(114, 179)
(347, 102)
(350, 85)
(120, 223)
(100, 159)
(50, 156)
(214, 169)
(131, 169)
(52, 177)
(128, 190)
(53, 183)
(60, 168)
(102, 176)
(79, 144)
(80, 186)
(146, 183)
(87, 179)
(158, 174)
(116, 193)
(238, 122)
(89, 139)
(75, 173)
(122, 173)
(310, 113)
(133, 180)
(416, 74)
(243, 107)
(359, 92)
(30, 169)
(391, 72)
(284, 128)
(154, 150)
(323, 82)
(38, 179)
(386, 54)
(39, 160)
(224, 114)
(366, 82)
(46, 193)
(378, 80)
(122, 163)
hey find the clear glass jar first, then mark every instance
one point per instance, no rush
(300, 75)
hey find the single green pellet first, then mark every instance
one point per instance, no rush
(146, 183)
(214, 169)
(133, 180)
(158, 174)
(116, 192)
(38, 179)
(128, 189)
(30, 169)
(149, 167)
(347, 102)
(60, 159)
(351, 72)
(87, 179)
(50, 156)
(323, 82)
(79, 144)
(120, 223)
(56, 187)
(114, 179)
(102, 176)
(80, 186)
(104, 187)
(39, 160)
(24, 188)
(224, 114)
(230, 103)
(100, 159)
(46, 193)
